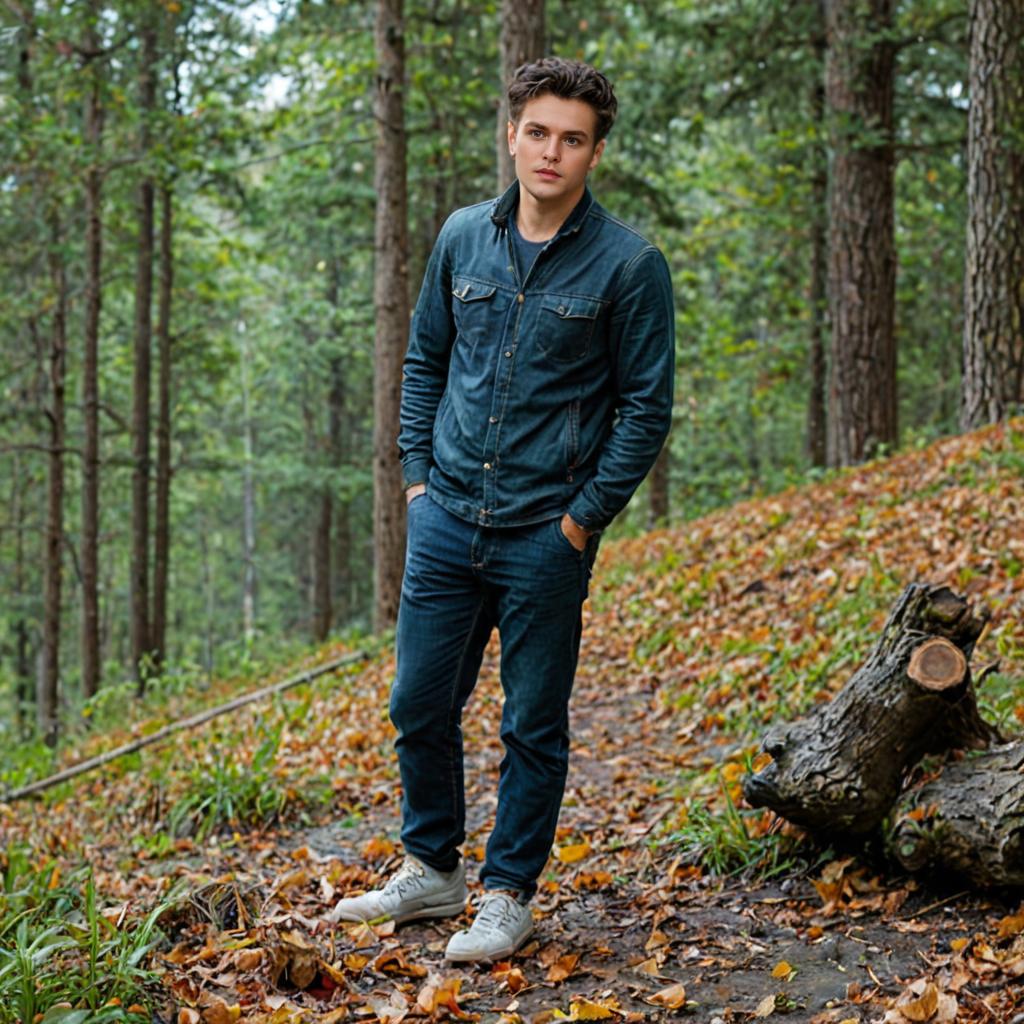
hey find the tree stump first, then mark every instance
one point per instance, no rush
(969, 820)
(842, 767)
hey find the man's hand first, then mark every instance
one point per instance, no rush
(414, 492)
(574, 533)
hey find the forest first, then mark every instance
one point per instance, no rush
(218, 214)
(188, 336)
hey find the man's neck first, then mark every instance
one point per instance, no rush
(537, 222)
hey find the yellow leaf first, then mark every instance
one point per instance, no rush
(923, 1007)
(586, 1010)
(571, 854)
(783, 970)
(958, 944)
(1012, 925)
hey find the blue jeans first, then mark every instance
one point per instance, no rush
(461, 580)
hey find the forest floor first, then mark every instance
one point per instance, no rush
(665, 896)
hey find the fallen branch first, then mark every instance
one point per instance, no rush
(186, 723)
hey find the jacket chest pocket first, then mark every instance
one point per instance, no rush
(565, 326)
(473, 309)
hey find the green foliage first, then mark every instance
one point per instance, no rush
(56, 946)
(225, 791)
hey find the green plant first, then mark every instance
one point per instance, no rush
(225, 791)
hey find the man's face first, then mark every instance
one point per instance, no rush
(553, 147)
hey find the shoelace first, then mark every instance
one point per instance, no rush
(408, 877)
(497, 910)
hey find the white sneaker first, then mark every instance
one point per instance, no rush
(500, 927)
(415, 890)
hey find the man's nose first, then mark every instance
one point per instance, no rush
(551, 150)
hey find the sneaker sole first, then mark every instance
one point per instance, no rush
(488, 958)
(441, 910)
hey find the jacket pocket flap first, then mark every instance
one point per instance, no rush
(471, 291)
(571, 307)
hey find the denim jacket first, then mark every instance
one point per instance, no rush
(524, 399)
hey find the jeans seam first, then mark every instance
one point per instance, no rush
(451, 706)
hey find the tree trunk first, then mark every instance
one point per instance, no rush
(336, 446)
(48, 697)
(842, 766)
(94, 117)
(658, 487)
(817, 422)
(391, 305)
(141, 642)
(521, 42)
(162, 533)
(969, 820)
(22, 654)
(993, 381)
(248, 501)
(862, 255)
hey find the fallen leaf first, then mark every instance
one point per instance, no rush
(571, 854)
(766, 1007)
(672, 997)
(783, 970)
(919, 1002)
(1010, 926)
(186, 1015)
(563, 967)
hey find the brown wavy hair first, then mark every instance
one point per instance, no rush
(569, 80)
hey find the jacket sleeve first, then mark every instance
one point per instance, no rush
(642, 348)
(425, 370)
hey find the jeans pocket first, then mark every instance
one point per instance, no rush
(564, 541)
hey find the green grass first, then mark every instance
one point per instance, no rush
(60, 957)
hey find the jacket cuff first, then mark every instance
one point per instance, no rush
(584, 514)
(415, 471)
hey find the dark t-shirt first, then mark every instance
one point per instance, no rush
(526, 252)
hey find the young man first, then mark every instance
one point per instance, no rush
(536, 395)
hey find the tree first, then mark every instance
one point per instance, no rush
(862, 258)
(993, 381)
(391, 305)
(522, 40)
(140, 617)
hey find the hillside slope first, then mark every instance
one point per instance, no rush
(696, 638)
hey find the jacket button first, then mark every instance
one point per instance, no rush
(493, 419)
(508, 354)
(520, 297)
(487, 465)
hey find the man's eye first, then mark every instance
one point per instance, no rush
(536, 133)
(572, 142)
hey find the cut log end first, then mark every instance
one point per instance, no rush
(937, 665)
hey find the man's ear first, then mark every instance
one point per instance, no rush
(511, 138)
(596, 158)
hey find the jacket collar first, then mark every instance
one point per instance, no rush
(508, 201)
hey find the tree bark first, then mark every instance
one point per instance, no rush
(391, 305)
(968, 821)
(94, 119)
(141, 642)
(22, 655)
(658, 487)
(842, 766)
(248, 501)
(49, 694)
(817, 422)
(993, 380)
(521, 42)
(162, 523)
(862, 255)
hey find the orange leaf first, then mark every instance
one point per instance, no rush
(672, 997)
(563, 967)
(783, 970)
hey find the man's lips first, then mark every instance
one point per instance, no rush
(546, 172)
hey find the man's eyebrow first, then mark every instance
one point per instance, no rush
(544, 127)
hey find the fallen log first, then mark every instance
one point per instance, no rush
(841, 768)
(968, 821)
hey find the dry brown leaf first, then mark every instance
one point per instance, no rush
(919, 1002)
(248, 959)
(766, 1007)
(563, 967)
(1011, 925)
(186, 1015)
(672, 997)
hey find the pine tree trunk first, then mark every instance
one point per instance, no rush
(993, 381)
(336, 446)
(49, 696)
(94, 118)
(862, 255)
(22, 656)
(391, 305)
(521, 42)
(817, 422)
(162, 523)
(141, 643)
